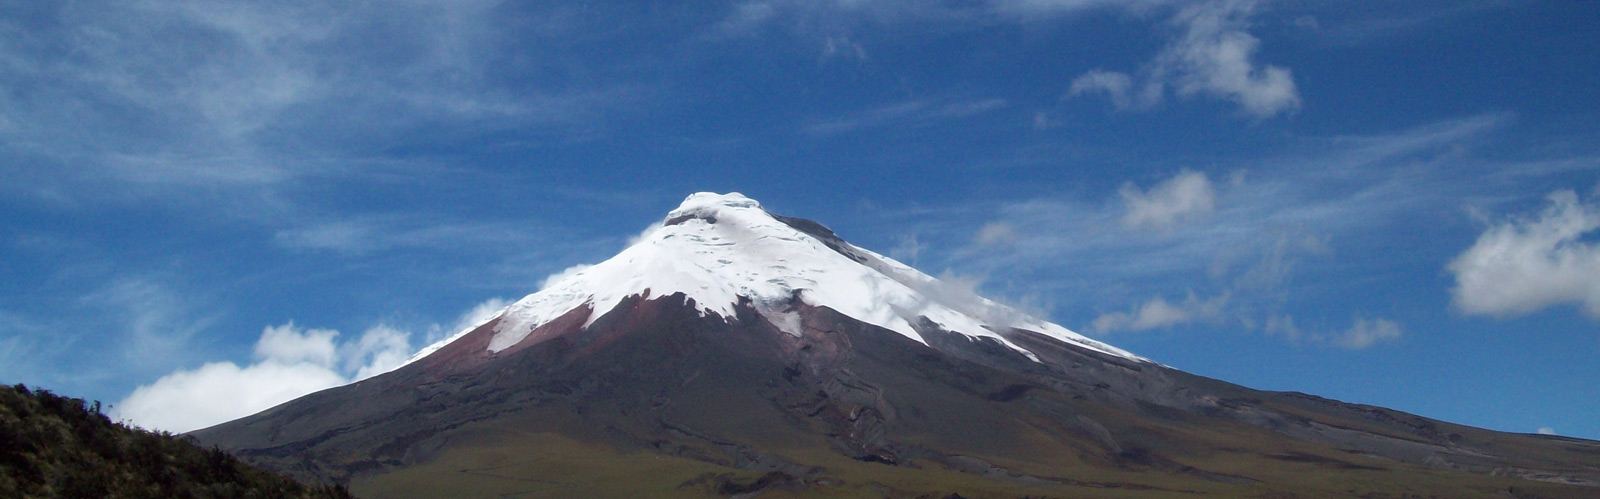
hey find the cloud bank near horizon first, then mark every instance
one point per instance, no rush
(290, 362)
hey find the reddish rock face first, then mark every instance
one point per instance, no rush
(465, 354)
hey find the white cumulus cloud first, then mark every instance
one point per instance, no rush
(221, 391)
(290, 362)
(1524, 265)
(381, 349)
(290, 345)
(1188, 195)
(1214, 56)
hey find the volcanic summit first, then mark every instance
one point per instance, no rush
(731, 351)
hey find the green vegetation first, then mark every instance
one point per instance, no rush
(55, 446)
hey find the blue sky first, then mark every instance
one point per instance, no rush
(1394, 203)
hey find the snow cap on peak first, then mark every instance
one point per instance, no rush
(732, 200)
(706, 205)
(721, 250)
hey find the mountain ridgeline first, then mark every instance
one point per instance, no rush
(732, 352)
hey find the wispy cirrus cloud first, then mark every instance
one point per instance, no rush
(912, 113)
(845, 29)
(1377, 22)
(1362, 333)
(128, 326)
(244, 95)
(1159, 313)
(996, 234)
(157, 322)
(747, 18)
(27, 347)
(1227, 252)
(365, 234)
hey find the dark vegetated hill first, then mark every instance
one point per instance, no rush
(56, 446)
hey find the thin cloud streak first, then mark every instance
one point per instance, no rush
(129, 326)
(1362, 333)
(1273, 219)
(1354, 27)
(1158, 313)
(911, 113)
(158, 323)
(748, 18)
(367, 234)
(208, 101)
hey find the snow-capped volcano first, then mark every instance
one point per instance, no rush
(721, 250)
(732, 352)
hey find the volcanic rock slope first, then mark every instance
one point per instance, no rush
(736, 352)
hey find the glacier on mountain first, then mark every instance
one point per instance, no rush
(717, 248)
